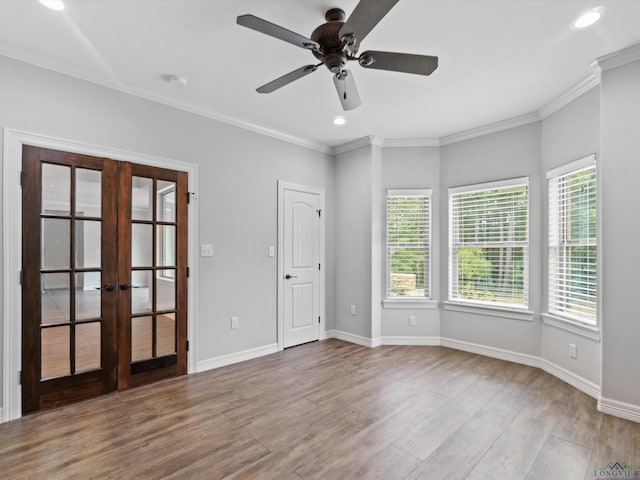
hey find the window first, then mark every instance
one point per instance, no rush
(489, 243)
(573, 286)
(408, 244)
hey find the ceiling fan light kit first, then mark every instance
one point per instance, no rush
(336, 42)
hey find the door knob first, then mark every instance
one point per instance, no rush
(108, 287)
(287, 276)
(126, 286)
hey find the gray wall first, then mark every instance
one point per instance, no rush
(571, 133)
(354, 177)
(507, 154)
(237, 191)
(620, 171)
(412, 167)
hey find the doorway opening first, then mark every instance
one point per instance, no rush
(82, 330)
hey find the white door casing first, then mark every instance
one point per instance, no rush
(300, 272)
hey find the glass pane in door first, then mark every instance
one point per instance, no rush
(141, 291)
(166, 290)
(88, 295)
(55, 352)
(166, 334)
(56, 298)
(141, 245)
(87, 346)
(141, 198)
(141, 338)
(166, 245)
(56, 243)
(88, 188)
(166, 201)
(88, 243)
(56, 189)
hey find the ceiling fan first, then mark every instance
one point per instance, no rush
(336, 42)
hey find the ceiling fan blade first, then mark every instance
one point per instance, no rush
(347, 91)
(287, 79)
(268, 28)
(365, 16)
(399, 62)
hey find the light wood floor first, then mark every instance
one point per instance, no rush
(330, 410)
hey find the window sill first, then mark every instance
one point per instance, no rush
(494, 311)
(587, 331)
(408, 303)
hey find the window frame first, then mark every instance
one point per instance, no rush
(405, 301)
(500, 309)
(585, 324)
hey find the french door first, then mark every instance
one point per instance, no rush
(104, 276)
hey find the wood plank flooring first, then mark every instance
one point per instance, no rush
(330, 410)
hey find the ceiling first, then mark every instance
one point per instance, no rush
(499, 59)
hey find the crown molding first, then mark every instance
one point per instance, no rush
(41, 62)
(357, 143)
(617, 59)
(410, 142)
(491, 128)
(385, 143)
(570, 95)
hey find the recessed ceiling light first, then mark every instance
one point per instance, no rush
(53, 4)
(339, 120)
(588, 18)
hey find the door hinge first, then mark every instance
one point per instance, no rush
(319, 213)
(21, 276)
(22, 178)
(20, 377)
(187, 345)
(318, 319)
(318, 266)
(188, 272)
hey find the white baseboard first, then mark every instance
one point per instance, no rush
(352, 338)
(493, 352)
(231, 358)
(582, 384)
(400, 340)
(619, 409)
(1, 416)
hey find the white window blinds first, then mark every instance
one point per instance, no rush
(489, 243)
(408, 243)
(572, 285)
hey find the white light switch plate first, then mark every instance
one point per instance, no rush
(206, 250)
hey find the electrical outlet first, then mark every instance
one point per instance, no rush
(271, 251)
(234, 322)
(412, 320)
(352, 308)
(573, 350)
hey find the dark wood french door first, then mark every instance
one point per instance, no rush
(104, 276)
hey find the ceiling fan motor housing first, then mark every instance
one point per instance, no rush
(332, 50)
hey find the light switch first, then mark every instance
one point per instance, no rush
(206, 250)
(272, 251)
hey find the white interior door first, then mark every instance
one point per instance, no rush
(301, 268)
